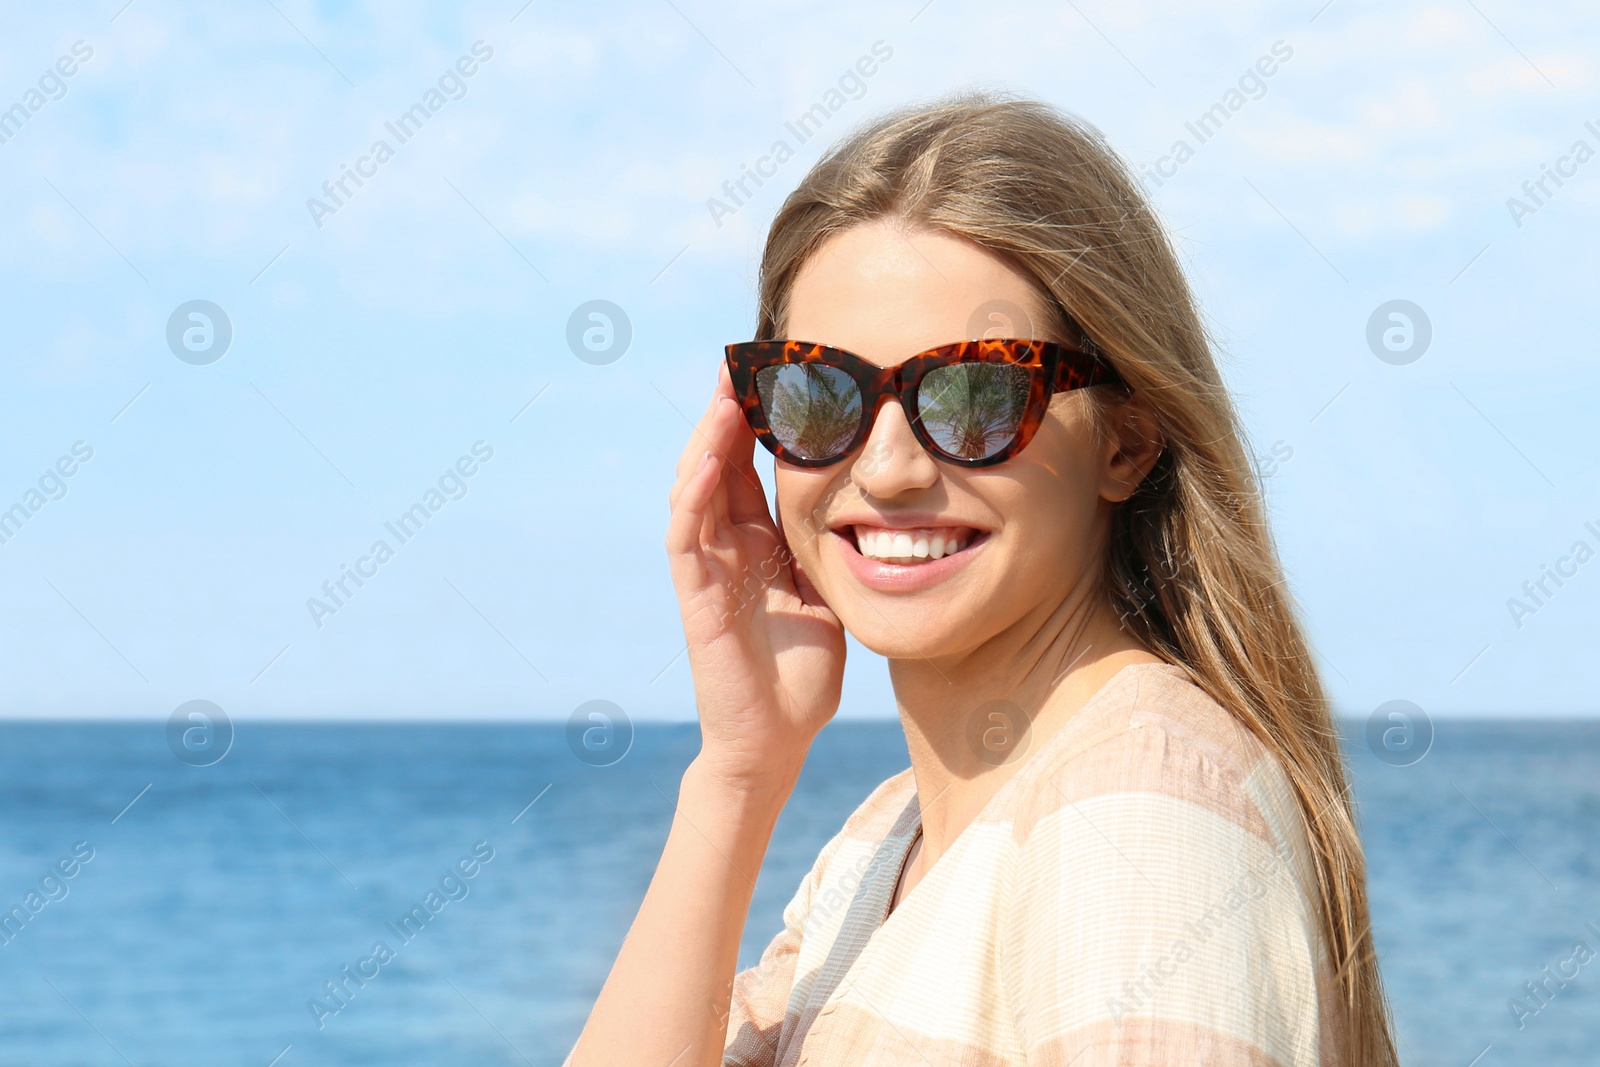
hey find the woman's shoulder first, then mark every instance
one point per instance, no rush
(1152, 737)
(1161, 892)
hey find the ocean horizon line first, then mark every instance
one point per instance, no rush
(558, 719)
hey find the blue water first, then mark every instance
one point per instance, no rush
(216, 906)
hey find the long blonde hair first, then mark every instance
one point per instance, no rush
(1191, 566)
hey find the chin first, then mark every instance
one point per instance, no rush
(919, 627)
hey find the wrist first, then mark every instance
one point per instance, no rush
(751, 791)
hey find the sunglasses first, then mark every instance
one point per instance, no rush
(971, 403)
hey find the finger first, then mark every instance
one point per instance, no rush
(739, 452)
(735, 444)
(689, 458)
(712, 437)
(685, 557)
(747, 501)
(789, 575)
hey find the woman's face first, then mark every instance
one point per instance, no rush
(1024, 533)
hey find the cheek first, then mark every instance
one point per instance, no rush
(1054, 506)
(1065, 453)
(803, 498)
(1053, 544)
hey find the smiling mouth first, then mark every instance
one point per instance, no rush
(910, 547)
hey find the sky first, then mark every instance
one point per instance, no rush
(357, 347)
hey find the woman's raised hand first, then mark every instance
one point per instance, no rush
(766, 653)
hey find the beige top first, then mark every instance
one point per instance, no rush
(1139, 892)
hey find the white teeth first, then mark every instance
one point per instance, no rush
(906, 546)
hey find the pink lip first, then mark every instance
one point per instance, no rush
(904, 577)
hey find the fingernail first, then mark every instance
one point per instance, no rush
(705, 457)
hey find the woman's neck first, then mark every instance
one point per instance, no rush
(972, 720)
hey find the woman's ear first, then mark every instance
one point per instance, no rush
(1134, 444)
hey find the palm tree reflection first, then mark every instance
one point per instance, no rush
(814, 410)
(972, 410)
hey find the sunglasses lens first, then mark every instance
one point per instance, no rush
(813, 410)
(973, 410)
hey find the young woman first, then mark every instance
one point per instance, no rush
(1007, 463)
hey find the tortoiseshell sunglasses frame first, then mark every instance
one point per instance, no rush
(1054, 368)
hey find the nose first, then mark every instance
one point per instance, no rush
(892, 461)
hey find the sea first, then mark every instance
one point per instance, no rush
(183, 914)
